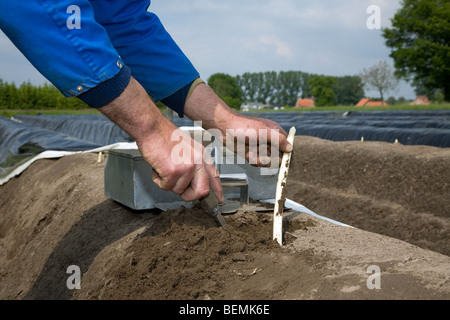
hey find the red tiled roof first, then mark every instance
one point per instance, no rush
(305, 103)
(363, 102)
(369, 103)
(376, 103)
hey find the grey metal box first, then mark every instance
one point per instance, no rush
(128, 180)
(262, 182)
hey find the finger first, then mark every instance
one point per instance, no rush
(156, 179)
(199, 186)
(169, 182)
(273, 125)
(267, 153)
(285, 146)
(256, 160)
(282, 142)
(214, 182)
(277, 135)
(183, 183)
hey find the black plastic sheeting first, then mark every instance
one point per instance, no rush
(28, 135)
(93, 128)
(427, 127)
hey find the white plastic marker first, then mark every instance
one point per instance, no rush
(280, 196)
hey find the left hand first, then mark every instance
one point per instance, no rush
(260, 141)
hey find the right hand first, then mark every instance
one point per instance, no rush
(191, 173)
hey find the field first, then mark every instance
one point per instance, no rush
(11, 112)
(395, 197)
(386, 108)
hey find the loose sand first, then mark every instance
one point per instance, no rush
(397, 198)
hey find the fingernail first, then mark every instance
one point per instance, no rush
(289, 148)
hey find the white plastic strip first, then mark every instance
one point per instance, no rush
(51, 154)
(301, 208)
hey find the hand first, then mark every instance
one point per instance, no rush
(261, 141)
(180, 164)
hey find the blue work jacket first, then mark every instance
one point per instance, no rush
(90, 48)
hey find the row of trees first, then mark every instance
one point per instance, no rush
(277, 88)
(285, 87)
(28, 96)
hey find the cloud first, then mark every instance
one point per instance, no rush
(282, 49)
(14, 67)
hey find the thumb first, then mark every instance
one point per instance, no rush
(284, 144)
(156, 179)
(286, 147)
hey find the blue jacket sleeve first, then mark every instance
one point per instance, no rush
(75, 60)
(154, 58)
(115, 40)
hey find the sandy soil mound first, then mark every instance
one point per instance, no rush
(398, 191)
(56, 215)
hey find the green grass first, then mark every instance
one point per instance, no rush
(387, 108)
(8, 113)
(353, 108)
(11, 112)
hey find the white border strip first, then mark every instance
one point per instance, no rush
(301, 208)
(51, 154)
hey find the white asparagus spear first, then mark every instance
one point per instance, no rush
(280, 196)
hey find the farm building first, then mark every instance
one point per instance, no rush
(420, 100)
(366, 102)
(305, 103)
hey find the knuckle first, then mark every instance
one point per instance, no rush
(177, 191)
(203, 192)
(163, 187)
(186, 168)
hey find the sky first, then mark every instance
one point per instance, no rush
(328, 37)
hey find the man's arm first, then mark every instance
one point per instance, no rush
(135, 113)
